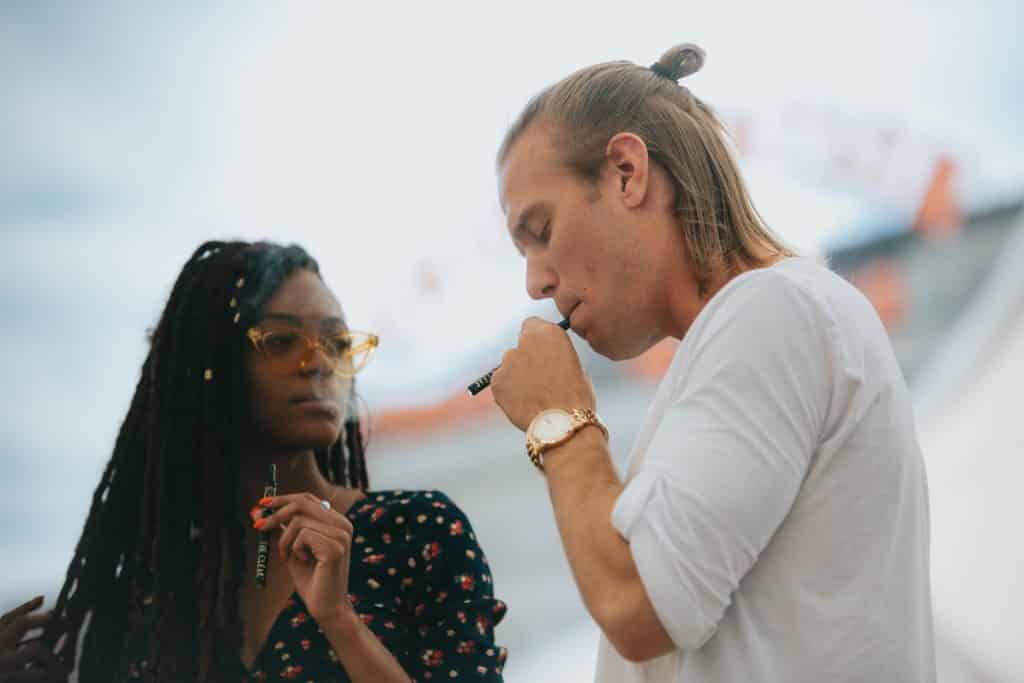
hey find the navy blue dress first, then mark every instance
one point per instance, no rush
(419, 581)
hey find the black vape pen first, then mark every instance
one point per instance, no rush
(263, 547)
(485, 381)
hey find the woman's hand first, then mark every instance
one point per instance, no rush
(315, 544)
(16, 653)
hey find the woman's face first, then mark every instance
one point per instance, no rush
(298, 403)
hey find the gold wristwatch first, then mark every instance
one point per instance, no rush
(556, 426)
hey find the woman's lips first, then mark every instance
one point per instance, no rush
(318, 406)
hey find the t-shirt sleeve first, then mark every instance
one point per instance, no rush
(726, 463)
(456, 611)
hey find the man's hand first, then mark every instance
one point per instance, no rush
(542, 372)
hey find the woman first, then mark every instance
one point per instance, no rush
(251, 365)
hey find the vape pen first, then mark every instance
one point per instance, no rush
(485, 381)
(263, 547)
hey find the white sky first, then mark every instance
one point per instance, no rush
(367, 132)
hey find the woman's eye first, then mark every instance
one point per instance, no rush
(280, 342)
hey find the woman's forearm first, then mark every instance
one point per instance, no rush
(364, 657)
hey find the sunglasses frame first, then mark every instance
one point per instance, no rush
(360, 342)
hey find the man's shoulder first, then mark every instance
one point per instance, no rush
(793, 293)
(793, 280)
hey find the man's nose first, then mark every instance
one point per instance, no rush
(541, 281)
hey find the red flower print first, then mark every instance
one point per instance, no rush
(377, 514)
(367, 618)
(292, 671)
(482, 623)
(433, 658)
(431, 550)
(455, 528)
(439, 505)
(373, 559)
(466, 582)
(299, 619)
(389, 625)
(466, 647)
(386, 538)
(305, 643)
(461, 616)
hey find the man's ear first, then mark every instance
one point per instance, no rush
(629, 167)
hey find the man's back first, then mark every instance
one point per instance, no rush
(776, 505)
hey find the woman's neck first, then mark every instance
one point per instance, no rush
(296, 473)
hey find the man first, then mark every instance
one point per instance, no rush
(773, 522)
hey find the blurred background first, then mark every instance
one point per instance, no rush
(883, 137)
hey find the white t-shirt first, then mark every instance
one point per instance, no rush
(776, 504)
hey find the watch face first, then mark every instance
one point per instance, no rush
(552, 425)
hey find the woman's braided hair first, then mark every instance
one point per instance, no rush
(175, 470)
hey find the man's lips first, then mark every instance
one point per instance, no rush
(571, 312)
(572, 309)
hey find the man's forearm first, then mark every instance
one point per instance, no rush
(584, 487)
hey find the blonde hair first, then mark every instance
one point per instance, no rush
(720, 226)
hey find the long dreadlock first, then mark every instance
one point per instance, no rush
(140, 566)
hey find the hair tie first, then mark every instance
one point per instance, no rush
(661, 70)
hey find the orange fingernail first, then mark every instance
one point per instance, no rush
(266, 501)
(259, 523)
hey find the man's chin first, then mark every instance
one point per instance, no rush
(620, 352)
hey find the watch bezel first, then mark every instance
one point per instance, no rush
(531, 431)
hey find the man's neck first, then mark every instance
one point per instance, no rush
(687, 302)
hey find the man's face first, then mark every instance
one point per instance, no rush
(582, 248)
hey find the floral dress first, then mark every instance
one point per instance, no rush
(418, 580)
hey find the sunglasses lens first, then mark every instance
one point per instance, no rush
(281, 345)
